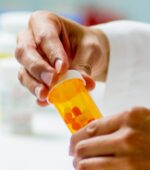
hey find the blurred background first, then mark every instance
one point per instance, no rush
(31, 137)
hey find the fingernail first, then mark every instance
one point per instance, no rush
(58, 65)
(47, 78)
(75, 163)
(38, 94)
(91, 129)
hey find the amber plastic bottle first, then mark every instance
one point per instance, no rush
(73, 101)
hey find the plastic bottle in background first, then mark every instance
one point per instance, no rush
(16, 103)
(7, 45)
(14, 22)
(73, 101)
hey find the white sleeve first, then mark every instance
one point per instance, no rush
(128, 79)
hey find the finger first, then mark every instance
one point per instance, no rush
(46, 36)
(113, 163)
(97, 146)
(83, 63)
(36, 88)
(28, 56)
(124, 142)
(104, 163)
(90, 83)
(42, 103)
(138, 118)
(98, 127)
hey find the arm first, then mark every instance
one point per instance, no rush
(128, 71)
(127, 39)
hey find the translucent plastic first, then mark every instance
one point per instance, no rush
(74, 104)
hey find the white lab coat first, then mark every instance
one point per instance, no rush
(128, 80)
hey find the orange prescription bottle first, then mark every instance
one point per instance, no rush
(73, 101)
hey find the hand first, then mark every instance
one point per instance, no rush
(51, 45)
(121, 142)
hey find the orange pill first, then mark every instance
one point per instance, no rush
(76, 111)
(68, 117)
(75, 126)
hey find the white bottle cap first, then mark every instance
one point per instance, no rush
(70, 74)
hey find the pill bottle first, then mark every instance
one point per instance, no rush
(73, 101)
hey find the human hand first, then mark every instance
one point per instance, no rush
(121, 142)
(51, 45)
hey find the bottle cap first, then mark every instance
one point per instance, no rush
(70, 74)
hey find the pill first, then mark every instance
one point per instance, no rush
(68, 117)
(76, 111)
(75, 126)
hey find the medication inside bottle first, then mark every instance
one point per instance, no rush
(73, 101)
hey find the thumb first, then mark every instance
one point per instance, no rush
(83, 63)
(90, 83)
(83, 69)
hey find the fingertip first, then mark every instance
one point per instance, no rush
(90, 83)
(42, 103)
(41, 93)
(61, 66)
(58, 65)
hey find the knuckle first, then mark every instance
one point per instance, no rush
(142, 112)
(132, 117)
(80, 148)
(136, 115)
(138, 112)
(131, 164)
(74, 162)
(128, 141)
(42, 37)
(20, 76)
(94, 46)
(72, 141)
(23, 50)
(35, 15)
(140, 109)
(137, 109)
(45, 36)
(36, 68)
(41, 13)
(132, 114)
(19, 52)
(82, 165)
